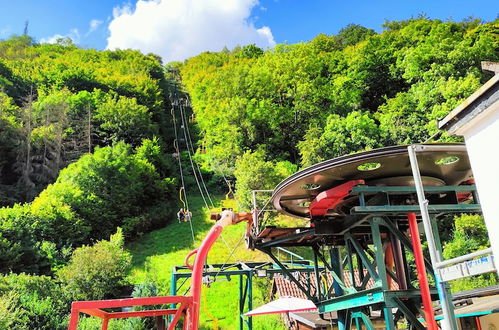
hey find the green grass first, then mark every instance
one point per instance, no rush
(156, 253)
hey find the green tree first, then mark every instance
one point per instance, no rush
(123, 119)
(470, 235)
(254, 172)
(98, 271)
(114, 187)
(352, 34)
(19, 249)
(32, 302)
(341, 135)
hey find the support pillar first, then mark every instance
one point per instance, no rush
(441, 285)
(242, 299)
(173, 291)
(421, 272)
(335, 256)
(317, 275)
(449, 320)
(105, 323)
(380, 265)
(250, 298)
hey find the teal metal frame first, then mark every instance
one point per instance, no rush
(245, 272)
(376, 220)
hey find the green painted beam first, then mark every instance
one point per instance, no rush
(409, 294)
(386, 209)
(358, 299)
(395, 190)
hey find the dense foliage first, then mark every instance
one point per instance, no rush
(254, 172)
(32, 302)
(114, 186)
(338, 94)
(469, 235)
(98, 271)
(58, 102)
(86, 138)
(41, 302)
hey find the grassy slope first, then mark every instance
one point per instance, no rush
(157, 252)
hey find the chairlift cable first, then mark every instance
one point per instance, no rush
(230, 255)
(190, 149)
(190, 157)
(188, 139)
(191, 146)
(227, 182)
(204, 185)
(175, 144)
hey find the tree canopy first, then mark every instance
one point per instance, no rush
(336, 94)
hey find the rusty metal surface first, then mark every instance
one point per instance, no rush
(292, 195)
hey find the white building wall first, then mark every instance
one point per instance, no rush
(482, 141)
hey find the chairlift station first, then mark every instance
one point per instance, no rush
(364, 204)
(364, 214)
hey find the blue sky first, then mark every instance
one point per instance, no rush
(165, 29)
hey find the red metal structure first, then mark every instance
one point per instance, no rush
(187, 306)
(421, 273)
(330, 198)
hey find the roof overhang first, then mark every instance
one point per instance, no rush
(484, 100)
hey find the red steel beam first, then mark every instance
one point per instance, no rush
(431, 323)
(189, 305)
(114, 303)
(152, 312)
(330, 198)
(95, 312)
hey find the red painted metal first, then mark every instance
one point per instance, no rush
(330, 198)
(389, 262)
(478, 324)
(95, 308)
(186, 261)
(189, 305)
(431, 323)
(463, 196)
(156, 312)
(197, 273)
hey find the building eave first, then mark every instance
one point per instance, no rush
(472, 107)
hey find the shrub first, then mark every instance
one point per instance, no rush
(254, 172)
(19, 249)
(114, 184)
(470, 235)
(98, 271)
(31, 302)
(26, 231)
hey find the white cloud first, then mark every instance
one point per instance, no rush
(73, 34)
(93, 25)
(178, 29)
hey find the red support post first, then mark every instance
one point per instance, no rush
(189, 305)
(197, 273)
(73, 321)
(330, 198)
(105, 323)
(431, 323)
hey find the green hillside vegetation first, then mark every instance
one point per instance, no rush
(156, 253)
(59, 102)
(89, 188)
(336, 94)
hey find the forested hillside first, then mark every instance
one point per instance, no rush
(334, 95)
(88, 157)
(85, 147)
(59, 102)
